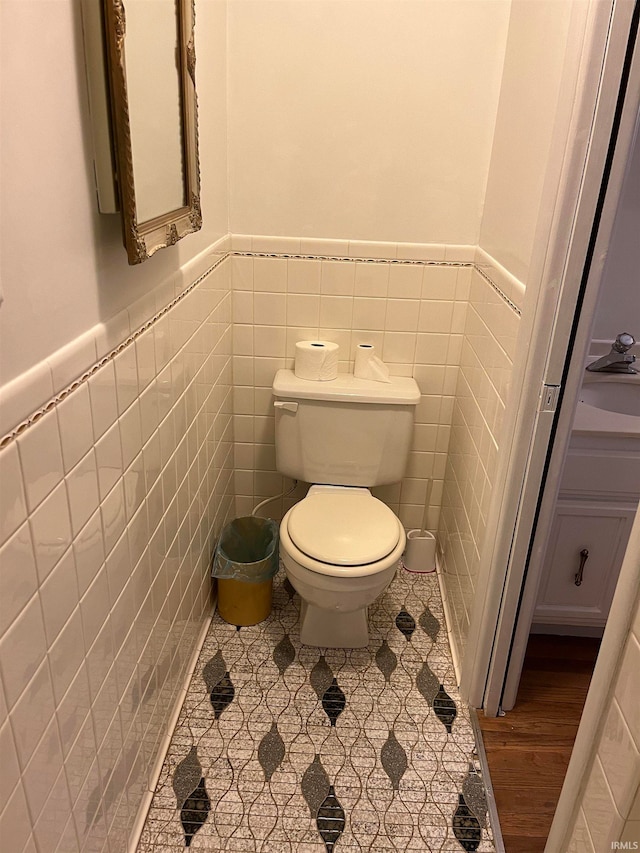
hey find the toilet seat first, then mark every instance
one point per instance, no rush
(342, 531)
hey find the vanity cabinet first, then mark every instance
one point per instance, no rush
(594, 536)
(594, 513)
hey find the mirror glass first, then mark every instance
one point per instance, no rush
(151, 71)
(155, 106)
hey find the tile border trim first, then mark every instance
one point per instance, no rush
(404, 261)
(322, 257)
(502, 295)
(87, 374)
(62, 395)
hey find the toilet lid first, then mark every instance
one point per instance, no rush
(343, 528)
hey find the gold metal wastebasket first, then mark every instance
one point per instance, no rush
(245, 561)
(242, 603)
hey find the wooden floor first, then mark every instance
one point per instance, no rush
(528, 750)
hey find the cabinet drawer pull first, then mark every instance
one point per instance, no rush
(584, 556)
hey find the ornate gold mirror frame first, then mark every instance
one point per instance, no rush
(143, 238)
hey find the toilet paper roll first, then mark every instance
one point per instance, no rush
(316, 360)
(368, 365)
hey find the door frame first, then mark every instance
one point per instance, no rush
(572, 200)
(628, 135)
(549, 495)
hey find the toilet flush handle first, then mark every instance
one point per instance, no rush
(288, 406)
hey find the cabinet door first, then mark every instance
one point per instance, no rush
(603, 531)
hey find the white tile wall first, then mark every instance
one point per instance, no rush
(581, 841)
(609, 813)
(111, 501)
(487, 353)
(412, 312)
(112, 496)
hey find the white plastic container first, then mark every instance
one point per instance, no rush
(420, 553)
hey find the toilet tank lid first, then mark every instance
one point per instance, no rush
(401, 390)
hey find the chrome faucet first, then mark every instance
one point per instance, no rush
(619, 360)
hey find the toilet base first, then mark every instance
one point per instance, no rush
(332, 629)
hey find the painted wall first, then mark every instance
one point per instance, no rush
(533, 74)
(619, 306)
(363, 120)
(63, 266)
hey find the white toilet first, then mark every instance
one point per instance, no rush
(340, 546)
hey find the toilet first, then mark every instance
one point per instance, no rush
(340, 545)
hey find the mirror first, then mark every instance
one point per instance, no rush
(151, 76)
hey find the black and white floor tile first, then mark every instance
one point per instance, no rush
(283, 748)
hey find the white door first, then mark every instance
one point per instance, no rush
(571, 256)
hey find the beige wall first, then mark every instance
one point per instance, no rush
(364, 120)
(64, 269)
(531, 82)
(619, 305)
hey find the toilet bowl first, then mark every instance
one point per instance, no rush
(340, 547)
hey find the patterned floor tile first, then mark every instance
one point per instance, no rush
(288, 748)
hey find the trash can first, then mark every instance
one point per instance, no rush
(245, 561)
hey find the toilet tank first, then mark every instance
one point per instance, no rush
(344, 432)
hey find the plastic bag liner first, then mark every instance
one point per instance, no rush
(247, 550)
